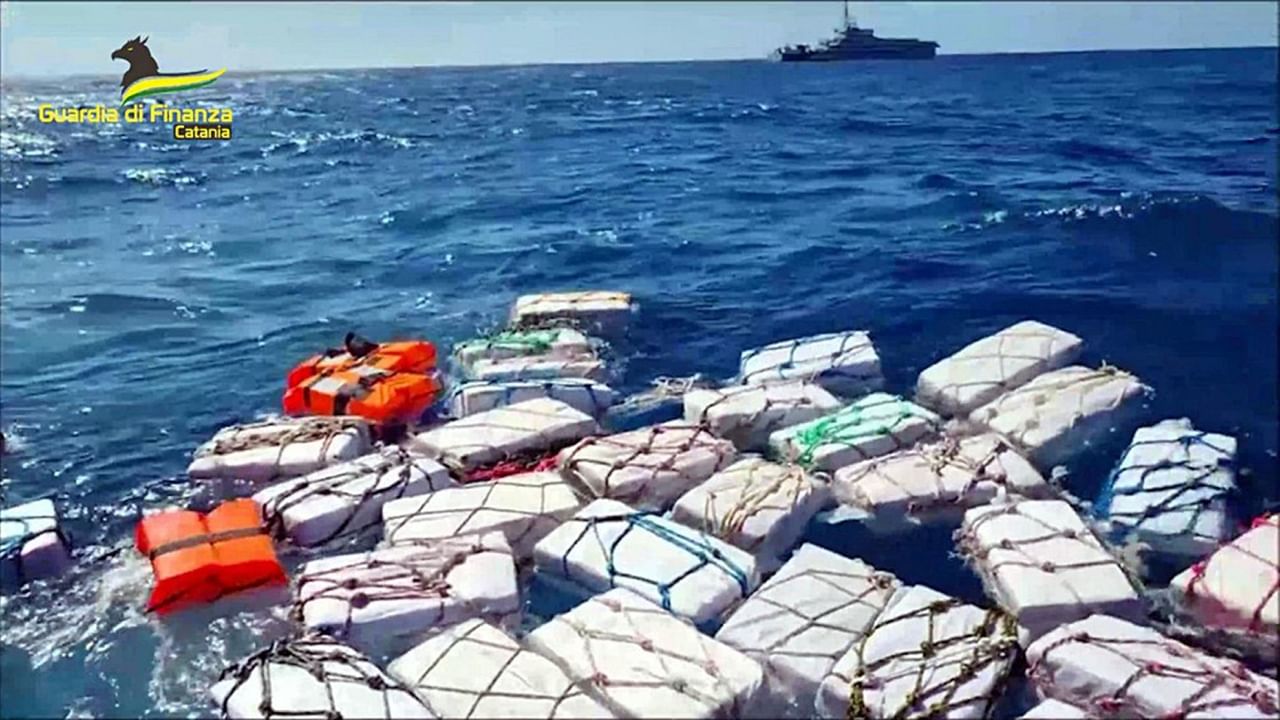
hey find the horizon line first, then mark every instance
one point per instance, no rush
(556, 63)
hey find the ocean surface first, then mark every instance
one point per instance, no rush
(155, 291)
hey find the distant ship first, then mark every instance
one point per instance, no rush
(854, 43)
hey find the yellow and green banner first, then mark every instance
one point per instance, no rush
(160, 84)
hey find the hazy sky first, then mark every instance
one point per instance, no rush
(55, 38)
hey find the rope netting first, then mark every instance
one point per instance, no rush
(416, 572)
(480, 667)
(1260, 565)
(508, 433)
(700, 549)
(853, 359)
(746, 414)
(996, 550)
(281, 434)
(1182, 481)
(346, 684)
(533, 311)
(938, 668)
(873, 418)
(750, 489)
(522, 342)
(514, 465)
(381, 478)
(1223, 688)
(18, 530)
(488, 394)
(647, 467)
(532, 368)
(1036, 347)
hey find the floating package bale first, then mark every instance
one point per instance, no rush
(280, 448)
(640, 661)
(647, 468)
(1236, 590)
(663, 402)
(844, 363)
(746, 414)
(756, 505)
(987, 368)
(608, 544)
(384, 600)
(600, 311)
(529, 427)
(926, 655)
(1171, 489)
(805, 618)
(937, 481)
(342, 500)
(524, 507)
(1059, 413)
(32, 546)
(556, 342)
(876, 425)
(537, 367)
(1040, 562)
(475, 670)
(1114, 668)
(584, 395)
(313, 677)
(1054, 710)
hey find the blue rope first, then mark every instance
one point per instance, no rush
(1109, 490)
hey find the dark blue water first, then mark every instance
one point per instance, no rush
(154, 291)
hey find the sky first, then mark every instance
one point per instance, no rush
(62, 38)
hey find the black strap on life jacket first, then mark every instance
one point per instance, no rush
(208, 539)
(358, 346)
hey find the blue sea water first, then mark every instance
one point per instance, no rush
(154, 291)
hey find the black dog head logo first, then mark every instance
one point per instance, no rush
(138, 55)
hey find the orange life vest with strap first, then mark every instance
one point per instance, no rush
(413, 356)
(380, 396)
(199, 558)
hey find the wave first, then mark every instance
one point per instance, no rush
(161, 177)
(1093, 151)
(299, 143)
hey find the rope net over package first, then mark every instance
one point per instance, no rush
(1171, 488)
(280, 448)
(584, 395)
(805, 618)
(640, 661)
(32, 544)
(525, 507)
(601, 310)
(647, 468)
(342, 500)
(746, 414)
(928, 655)
(845, 363)
(313, 677)
(983, 370)
(938, 480)
(608, 544)
(557, 342)
(381, 599)
(490, 437)
(475, 670)
(1057, 414)
(537, 367)
(756, 505)
(876, 425)
(1113, 668)
(1041, 562)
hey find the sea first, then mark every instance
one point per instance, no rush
(156, 290)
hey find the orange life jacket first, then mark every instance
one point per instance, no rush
(380, 396)
(199, 558)
(413, 356)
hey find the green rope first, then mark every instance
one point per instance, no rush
(532, 342)
(852, 424)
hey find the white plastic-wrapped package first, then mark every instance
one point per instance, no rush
(600, 310)
(32, 545)
(937, 481)
(584, 395)
(1171, 489)
(662, 402)
(1054, 710)
(1040, 562)
(647, 468)
(532, 426)
(876, 425)
(642, 662)
(844, 363)
(983, 370)
(927, 655)
(524, 507)
(746, 414)
(1113, 668)
(608, 544)
(280, 448)
(475, 670)
(344, 499)
(537, 367)
(1061, 412)
(1237, 588)
(313, 678)
(757, 505)
(557, 342)
(385, 600)
(805, 618)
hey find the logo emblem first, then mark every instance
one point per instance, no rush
(144, 79)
